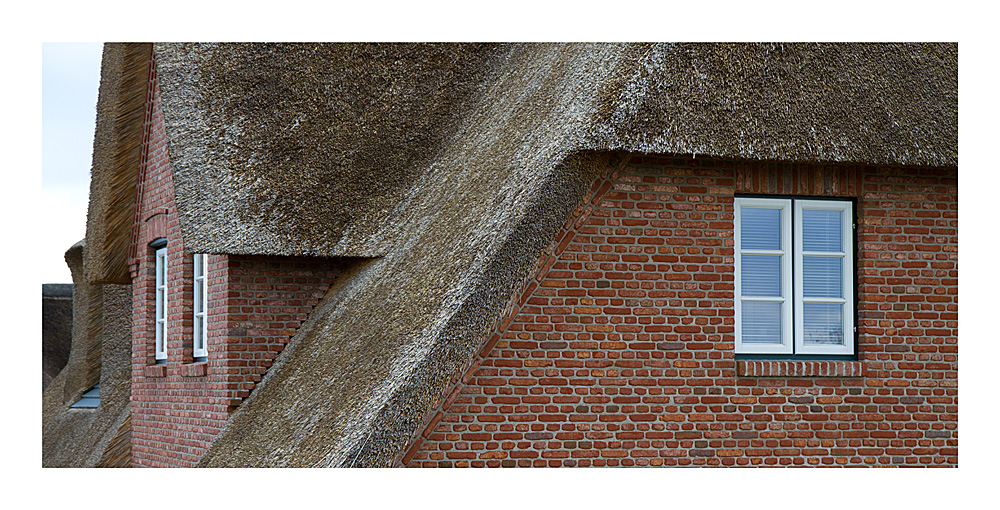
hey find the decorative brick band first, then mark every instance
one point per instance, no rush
(749, 368)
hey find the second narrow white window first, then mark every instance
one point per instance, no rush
(161, 304)
(200, 337)
(824, 277)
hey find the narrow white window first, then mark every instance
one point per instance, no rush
(824, 277)
(161, 304)
(794, 277)
(200, 337)
(764, 304)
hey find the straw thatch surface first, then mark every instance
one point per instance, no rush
(118, 452)
(312, 149)
(117, 146)
(57, 325)
(100, 352)
(856, 103)
(455, 165)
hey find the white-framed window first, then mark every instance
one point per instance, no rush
(794, 276)
(161, 304)
(199, 348)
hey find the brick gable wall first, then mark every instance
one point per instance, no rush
(620, 349)
(255, 305)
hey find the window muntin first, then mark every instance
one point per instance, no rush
(161, 304)
(200, 337)
(794, 276)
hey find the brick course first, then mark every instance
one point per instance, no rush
(619, 349)
(255, 305)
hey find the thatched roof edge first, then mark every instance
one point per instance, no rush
(117, 150)
(849, 103)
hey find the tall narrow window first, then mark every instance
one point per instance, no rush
(200, 338)
(161, 304)
(794, 277)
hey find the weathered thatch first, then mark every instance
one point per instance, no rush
(309, 149)
(57, 325)
(118, 452)
(455, 165)
(117, 146)
(101, 352)
(849, 103)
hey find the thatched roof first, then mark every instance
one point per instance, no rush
(849, 103)
(454, 165)
(309, 149)
(101, 352)
(117, 145)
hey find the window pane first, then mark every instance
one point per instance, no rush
(159, 337)
(824, 323)
(760, 275)
(199, 293)
(159, 270)
(823, 276)
(821, 230)
(197, 266)
(760, 229)
(198, 340)
(761, 323)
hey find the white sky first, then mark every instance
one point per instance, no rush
(70, 78)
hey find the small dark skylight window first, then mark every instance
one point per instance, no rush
(90, 399)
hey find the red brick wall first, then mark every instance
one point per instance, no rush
(619, 351)
(255, 305)
(263, 301)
